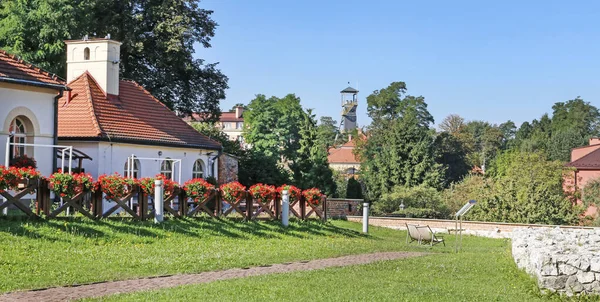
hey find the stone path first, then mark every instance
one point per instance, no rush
(127, 286)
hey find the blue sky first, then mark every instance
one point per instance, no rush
(483, 60)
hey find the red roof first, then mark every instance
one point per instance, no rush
(134, 116)
(590, 161)
(13, 68)
(343, 154)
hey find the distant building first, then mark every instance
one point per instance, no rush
(342, 159)
(232, 123)
(586, 161)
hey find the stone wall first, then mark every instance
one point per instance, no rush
(562, 260)
(341, 207)
(228, 168)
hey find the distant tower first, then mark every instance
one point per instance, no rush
(349, 104)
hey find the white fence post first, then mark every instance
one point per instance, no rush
(285, 208)
(365, 217)
(158, 201)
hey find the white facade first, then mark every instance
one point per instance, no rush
(99, 57)
(109, 158)
(34, 107)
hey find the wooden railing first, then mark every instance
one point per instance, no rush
(139, 206)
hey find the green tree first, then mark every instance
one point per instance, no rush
(216, 133)
(353, 189)
(158, 43)
(452, 124)
(311, 168)
(576, 115)
(399, 150)
(451, 154)
(327, 131)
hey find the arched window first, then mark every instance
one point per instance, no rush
(166, 168)
(19, 136)
(86, 53)
(198, 170)
(136, 168)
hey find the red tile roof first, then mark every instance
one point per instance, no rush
(12, 67)
(590, 161)
(134, 116)
(343, 154)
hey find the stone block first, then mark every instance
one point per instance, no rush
(549, 269)
(573, 285)
(595, 265)
(585, 277)
(567, 269)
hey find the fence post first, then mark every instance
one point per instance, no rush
(285, 208)
(324, 202)
(183, 203)
(97, 201)
(302, 208)
(365, 217)
(249, 205)
(158, 201)
(277, 204)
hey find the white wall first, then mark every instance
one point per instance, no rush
(109, 158)
(37, 105)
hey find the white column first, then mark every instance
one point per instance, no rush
(285, 208)
(365, 217)
(158, 201)
(6, 164)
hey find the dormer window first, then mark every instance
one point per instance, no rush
(86, 53)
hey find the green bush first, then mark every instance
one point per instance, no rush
(421, 197)
(353, 189)
(421, 213)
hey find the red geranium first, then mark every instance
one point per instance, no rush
(115, 185)
(69, 185)
(233, 191)
(9, 177)
(147, 185)
(262, 192)
(312, 196)
(293, 192)
(198, 189)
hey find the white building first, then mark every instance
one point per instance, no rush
(28, 108)
(111, 119)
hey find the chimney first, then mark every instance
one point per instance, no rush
(594, 141)
(100, 57)
(238, 111)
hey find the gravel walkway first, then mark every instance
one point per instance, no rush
(128, 286)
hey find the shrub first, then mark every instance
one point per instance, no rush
(23, 161)
(353, 189)
(293, 192)
(312, 196)
(414, 197)
(147, 185)
(262, 192)
(233, 192)
(69, 185)
(115, 185)
(198, 189)
(421, 213)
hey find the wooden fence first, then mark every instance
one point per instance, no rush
(139, 206)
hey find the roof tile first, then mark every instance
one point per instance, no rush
(14, 68)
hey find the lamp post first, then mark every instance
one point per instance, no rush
(402, 206)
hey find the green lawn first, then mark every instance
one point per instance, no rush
(37, 254)
(484, 271)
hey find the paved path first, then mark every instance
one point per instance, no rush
(127, 286)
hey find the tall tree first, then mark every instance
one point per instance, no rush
(399, 150)
(452, 124)
(327, 131)
(158, 39)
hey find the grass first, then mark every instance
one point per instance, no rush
(38, 254)
(483, 271)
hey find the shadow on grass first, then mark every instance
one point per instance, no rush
(188, 227)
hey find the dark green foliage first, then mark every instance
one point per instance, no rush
(353, 189)
(256, 167)
(421, 197)
(522, 188)
(451, 154)
(216, 133)
(400, 150)
(591, 193)
(158, 43)
(421, 213)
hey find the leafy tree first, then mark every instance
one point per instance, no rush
(577, 115)
(327, 131)
(353, 189)
(311, 168)
(245, 107)
(158, 43)
(399, 150)
(419, 197)
(216, 133)
(256, 167)
(452, 124)
(452, 155)
(533, 194)
(482, 141)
